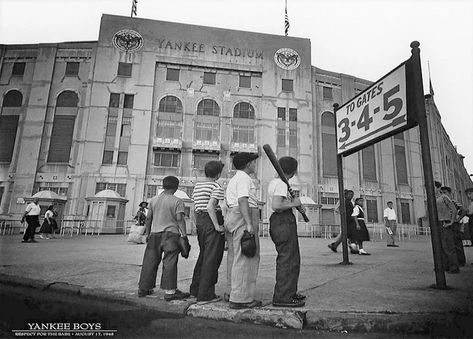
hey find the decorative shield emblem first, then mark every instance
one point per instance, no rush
(127, 40)
(287, 58)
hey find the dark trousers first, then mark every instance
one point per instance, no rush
(33, 222)
(449, 256)
(211, 244)
(283, 231)
(457, 239)
(159, 244)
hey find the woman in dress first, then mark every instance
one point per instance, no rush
(46, 229)
(360, 232)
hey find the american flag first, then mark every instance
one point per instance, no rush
(134, 6)
(286, 22)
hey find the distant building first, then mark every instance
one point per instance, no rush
(152, 98)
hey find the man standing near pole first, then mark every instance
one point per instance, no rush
(391, 224)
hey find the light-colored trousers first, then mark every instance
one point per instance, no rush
(241, 270)
(390, 238)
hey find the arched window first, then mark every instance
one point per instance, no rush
(67, 99)
(208, 107)
(9, 124)
(13, 98)
(170, 104)
(244, 110)
(329, 145)
(63, 127)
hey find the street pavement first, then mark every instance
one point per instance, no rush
(388, 291)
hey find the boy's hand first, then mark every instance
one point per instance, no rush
(249, 228)
(297, 202)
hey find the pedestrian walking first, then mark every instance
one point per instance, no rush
(390, 222)
(207, 195)
(164, 223)
(283, 232)
(446, 213)
(47, 228)
(456, 227)
(31, 215)
(360, 233)
(137, 230)
(349, 210)
(242, 215)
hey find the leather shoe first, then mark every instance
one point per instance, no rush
(298, 296)
(333, 248)
(292, 303)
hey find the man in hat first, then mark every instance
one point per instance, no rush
(242, 214)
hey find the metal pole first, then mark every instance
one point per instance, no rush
(341, 189)
(427, 165)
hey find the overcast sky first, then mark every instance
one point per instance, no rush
(364, 38)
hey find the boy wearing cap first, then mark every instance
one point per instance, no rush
(242, 214)
(283, 231)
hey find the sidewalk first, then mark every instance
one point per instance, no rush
(388, 291)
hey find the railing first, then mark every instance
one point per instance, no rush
(10, 226)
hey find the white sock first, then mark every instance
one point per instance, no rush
(169, 291)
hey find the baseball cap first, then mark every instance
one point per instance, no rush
(242, 158)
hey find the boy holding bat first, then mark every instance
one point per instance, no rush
(283, 231)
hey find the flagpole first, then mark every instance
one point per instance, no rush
(286, 20)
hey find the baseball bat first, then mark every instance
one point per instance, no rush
(272, 157)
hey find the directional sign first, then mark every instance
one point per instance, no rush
(379, 110)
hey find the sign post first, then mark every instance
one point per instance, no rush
(393, 104)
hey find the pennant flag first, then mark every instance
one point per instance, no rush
(431, 88)
(286, 22)
(134, 6)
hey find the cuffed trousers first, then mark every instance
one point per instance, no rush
(283, 231)
(449, 256)
(211, 244)
(391, 238)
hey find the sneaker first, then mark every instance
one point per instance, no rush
(363, 252)
(238, 306)
(41, 236)
(24, 241)
(333, 248)
(178, 295)
(144, 293)
(352, 251)
(292, 303)
(298, 296)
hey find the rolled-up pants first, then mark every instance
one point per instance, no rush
(159, 244)
(241, 270)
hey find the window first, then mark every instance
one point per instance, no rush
(124, 69)
(200, 159)
(112, 121)
(128, 103)
(208, 107)
(287, 85)
(111, 211)
(72, 69)
(169, 129)
(372, 210)
(126, 127)
(281, 113)
(401, 165)
(292, 114)
(328, 200)
(244, 134)
(172, 74)
(327, 93)
(281, 142)
(13, 98)
(245, 81)
(2, 189)
(170, 104)
(206, 131)
(369, 163)
(50, 186)
(18, 69)
(329, 145)
(244, 110)
(107, 157)
(8, 128)
(293, 138)
(405, 212)
(122, 158)
(119, 188)
(209, 78)
(166, 159)
(67, 99)
(63, 127)
(114, 100)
